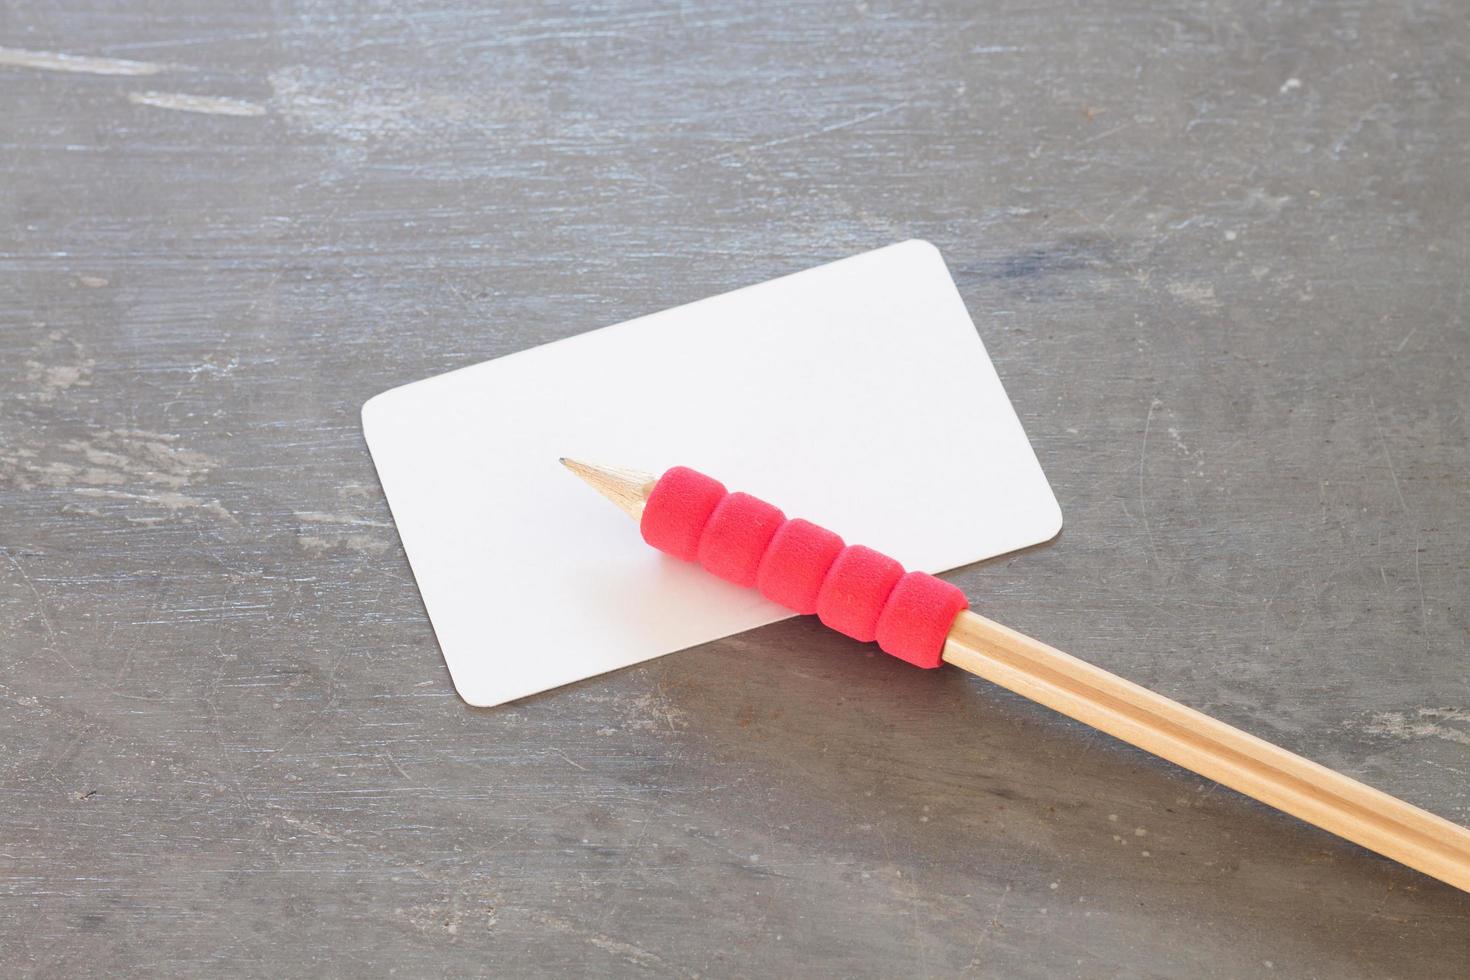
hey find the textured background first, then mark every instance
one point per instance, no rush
(1218, 250)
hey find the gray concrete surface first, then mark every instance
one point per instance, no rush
(1218, 250)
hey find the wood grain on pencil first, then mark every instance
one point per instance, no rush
(1168, 729)
(1205, 745)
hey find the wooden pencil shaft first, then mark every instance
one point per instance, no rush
(1207, 746)
(1168, 729)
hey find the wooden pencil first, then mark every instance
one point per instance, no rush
(1166, 728)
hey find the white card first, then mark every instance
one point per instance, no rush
(857, 395)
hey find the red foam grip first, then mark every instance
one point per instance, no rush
(795, 563)
(736, 536)
(677, 510)
(853, 589)
(917, 617)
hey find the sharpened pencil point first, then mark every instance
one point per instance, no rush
(629, 489)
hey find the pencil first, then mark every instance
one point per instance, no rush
(1134, 714)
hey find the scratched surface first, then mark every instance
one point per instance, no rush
(1218, 250)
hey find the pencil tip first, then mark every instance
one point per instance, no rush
(628, 489)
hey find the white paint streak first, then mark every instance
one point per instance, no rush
(51, 380)
(364, 544)
(360, 110)
(336, 531)
(318, 517)
(797, 137)
(1443, 723)
(170, 500)
(182, 102)
(83, 64)
(1199, 293)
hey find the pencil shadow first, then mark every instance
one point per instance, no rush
(946, 770)
(864, 762)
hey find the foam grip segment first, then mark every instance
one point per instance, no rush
(795, 563)
(736, 536)
(678, 509)
(855, 590)
(917, 617)
(852, 589)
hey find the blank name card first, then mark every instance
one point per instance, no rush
(856, 394)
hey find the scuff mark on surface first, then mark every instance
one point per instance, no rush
(650, 712)
(53, 379)
(628, 952)
(323, 531)
(1198, 293)
(1257, 199)
(82, 64)
(209, 105)
(126, 464)
(25, 700)
(169, 500)
(59, 364)
(311, 827)
(111, 457)
(446, 920)
(362, 110)
(317, 517)
(1449, 724)
(361, 543)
